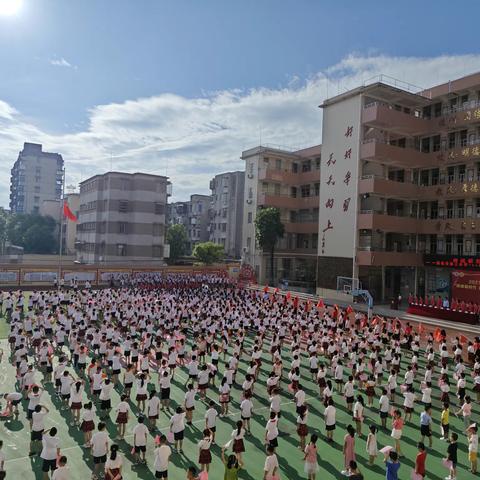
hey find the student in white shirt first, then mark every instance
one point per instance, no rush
(114, 464)
(211, 416)
(204, 454)
(140, 433)
(99, 448)
(50, 451)
(153, 409)
(62, 472)
(246, 408)
(177, 427)
(38, 426)
(162, 455)
(271, 431)
(330, 419)
(271, 464)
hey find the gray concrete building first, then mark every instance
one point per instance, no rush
(122, 218)
(36, 176)
(194, 216)
(226, 212)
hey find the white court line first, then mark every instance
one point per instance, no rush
(232, 414)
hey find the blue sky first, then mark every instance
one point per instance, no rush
(180, 87)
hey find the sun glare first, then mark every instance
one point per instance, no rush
(10, 7)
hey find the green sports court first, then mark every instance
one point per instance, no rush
(15, 433)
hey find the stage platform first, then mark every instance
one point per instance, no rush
(443, 314)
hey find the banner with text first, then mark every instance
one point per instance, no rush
(466, 286)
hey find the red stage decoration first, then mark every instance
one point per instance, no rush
(465, 286)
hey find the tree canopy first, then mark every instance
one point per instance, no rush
(268, 228)
(208, 252)
(35, 233)
(177, 239)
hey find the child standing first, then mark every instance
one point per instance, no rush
(372, 448)
(310, 458)
(452, 456)
(472, 433)
(445, 422)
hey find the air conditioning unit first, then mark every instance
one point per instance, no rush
(249, 202)
(250, 175)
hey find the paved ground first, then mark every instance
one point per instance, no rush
(16, 436)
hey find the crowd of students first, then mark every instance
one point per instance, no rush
(135, 338)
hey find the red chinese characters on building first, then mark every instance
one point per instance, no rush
(346, 203)
(347, 178)
(329, 203)
(330, 180)
(348, 153)
(349, 131)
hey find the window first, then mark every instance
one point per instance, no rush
(121, 250)
(278, 164)
(199, 207)
(36, 199)
(451, 140)
(307, 166)
(159, 208)
(437, 109)
(38, 179)
(305, 190)
(295, 167)
(123, 206)
(317, 189)
(250, 193)
(293, 192)
(249, 242)
(249, 217)
(276, 188)
(157, 251)
(317, 163)
(122, 227)
(37, 189)
(448, 244)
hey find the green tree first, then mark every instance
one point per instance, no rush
(35, 233)
(208, 252)
(177, 239)
(268, 230)
(3, 230)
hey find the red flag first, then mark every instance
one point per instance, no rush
(289, 295)
(276, 291)
(437, 335)
(265, 289)
(374, 320)
(349, 309)
(320, 304)
(68, 213)
(295, 302)
(463, 339)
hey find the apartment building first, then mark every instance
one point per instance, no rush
(289, 181)
(194, 215)
(122, 218)
(226, 212)
(36, 176)
(400, 194)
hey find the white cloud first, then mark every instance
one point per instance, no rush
(191, 139)
(60, 62)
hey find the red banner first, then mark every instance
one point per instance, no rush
(466, 286)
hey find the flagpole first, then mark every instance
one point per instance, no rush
(62, 201)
